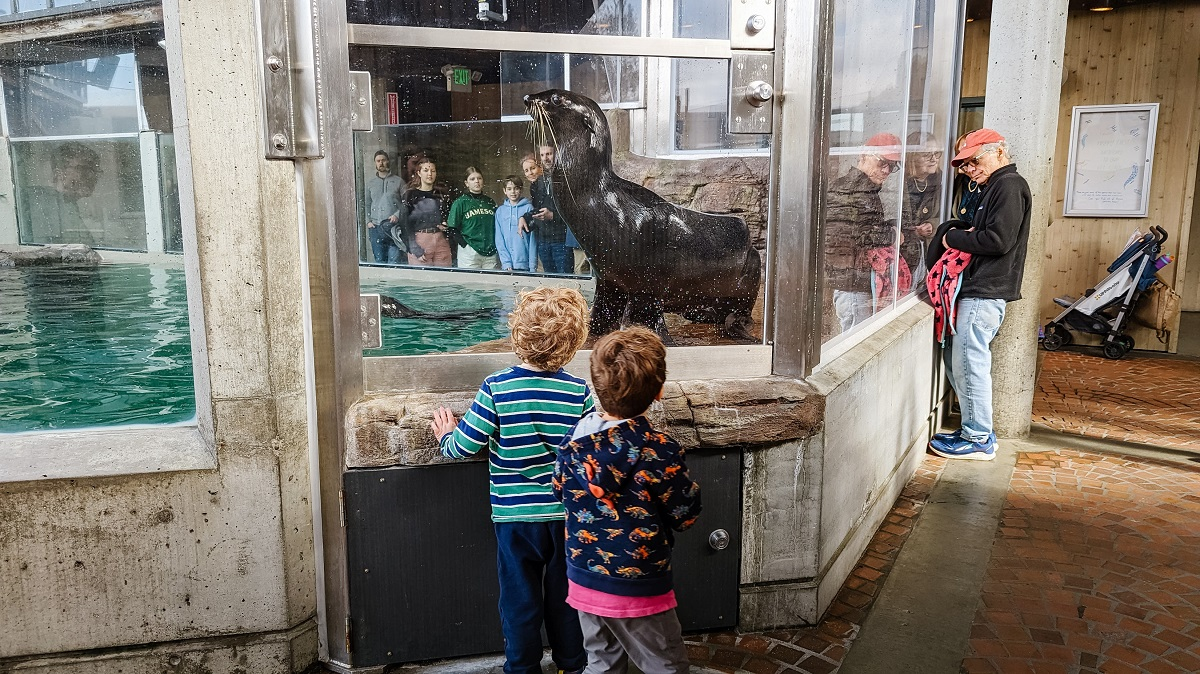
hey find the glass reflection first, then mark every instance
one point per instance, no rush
(610, 17)
(860, 257)
(892, 87)
(922, 199)
(80, 191)
(463, 182)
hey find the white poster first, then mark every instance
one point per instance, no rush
(1111, 153)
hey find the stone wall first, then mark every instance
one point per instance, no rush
(392, 429)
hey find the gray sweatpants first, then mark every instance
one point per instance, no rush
(653, 642)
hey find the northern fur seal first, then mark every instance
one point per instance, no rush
(394, 308)
(649, 254)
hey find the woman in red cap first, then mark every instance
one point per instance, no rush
(996, 239)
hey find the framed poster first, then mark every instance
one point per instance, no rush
(1108, 166)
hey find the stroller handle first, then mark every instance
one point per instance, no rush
(1160, 234)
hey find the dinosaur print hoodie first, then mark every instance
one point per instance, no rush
(625, 487)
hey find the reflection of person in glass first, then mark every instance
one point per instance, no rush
(424, 220)
(473, 220)
(857, 234)
(550, 226)
(383, 209)
(53, 213)
(410, 158)
(922, 199)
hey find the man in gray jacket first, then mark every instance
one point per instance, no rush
(383, 209)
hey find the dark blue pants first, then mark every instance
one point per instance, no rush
(383, 248)
(556, 258)
(532, 562)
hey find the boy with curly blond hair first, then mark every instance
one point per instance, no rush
(521, 414)
(626, 488)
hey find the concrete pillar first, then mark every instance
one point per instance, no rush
(1024, 83)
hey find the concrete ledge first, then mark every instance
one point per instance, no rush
(393, 429)
(764, 607)
(285, 652)
(103, 453)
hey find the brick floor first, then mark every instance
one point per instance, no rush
(1095, 568)
(819, 649)
(1146, 400)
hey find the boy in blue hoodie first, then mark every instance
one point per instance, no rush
(625, 487)
(515, 243)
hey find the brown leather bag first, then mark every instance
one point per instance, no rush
(1158, 309)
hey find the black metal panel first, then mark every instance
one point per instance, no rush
(706, 580)
(422, 559)
(422, 563)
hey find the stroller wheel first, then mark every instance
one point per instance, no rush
(1127, 342)
(1115, 350)
(1056, 337)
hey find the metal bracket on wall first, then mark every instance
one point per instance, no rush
(752, 24)
(291, 107)
(361, 114)
(751, 94)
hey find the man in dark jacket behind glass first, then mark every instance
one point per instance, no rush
(997, 241)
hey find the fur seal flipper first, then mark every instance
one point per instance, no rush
(649, 255)
(394, 308)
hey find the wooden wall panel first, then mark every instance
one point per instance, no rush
(975, 58)
(1141, 54)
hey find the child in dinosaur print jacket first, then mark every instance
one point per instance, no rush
(625, 487)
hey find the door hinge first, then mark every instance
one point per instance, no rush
(342, 506)
(349, 641)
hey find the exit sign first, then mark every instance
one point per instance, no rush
(459, 78)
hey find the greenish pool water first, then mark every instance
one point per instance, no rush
(93, 347)
(416, 336)
(110, 346)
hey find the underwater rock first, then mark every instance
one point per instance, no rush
(71, 254)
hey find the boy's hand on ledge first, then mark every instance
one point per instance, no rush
(443, 422)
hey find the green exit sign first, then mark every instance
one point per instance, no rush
(462, 76)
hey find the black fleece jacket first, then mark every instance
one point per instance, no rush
(999, 241)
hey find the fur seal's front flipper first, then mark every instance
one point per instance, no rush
(649, 255)
(394, 308)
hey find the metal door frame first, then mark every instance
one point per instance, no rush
(307, 110)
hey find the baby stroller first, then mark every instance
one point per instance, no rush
(1104, 308)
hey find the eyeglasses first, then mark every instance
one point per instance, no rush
(891, 166)
(973, 162)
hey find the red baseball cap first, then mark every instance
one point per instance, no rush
(888, 144)
(973, 142)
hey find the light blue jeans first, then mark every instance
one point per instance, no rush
(851, 308)
(968, 358)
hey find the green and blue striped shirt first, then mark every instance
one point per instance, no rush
(521, 415)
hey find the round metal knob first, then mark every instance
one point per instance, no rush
(718, 539)
(755, 24)
(759, 92)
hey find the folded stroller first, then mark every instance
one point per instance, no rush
(1104, 308)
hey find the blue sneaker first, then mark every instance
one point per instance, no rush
(965, 449)
(945, 438)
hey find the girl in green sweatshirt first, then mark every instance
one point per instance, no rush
(472, 225)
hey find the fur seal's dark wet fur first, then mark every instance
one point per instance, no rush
(394, 308)
(649, 254)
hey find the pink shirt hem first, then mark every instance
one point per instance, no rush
(608, 605)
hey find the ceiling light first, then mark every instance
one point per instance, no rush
(1102, 6)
